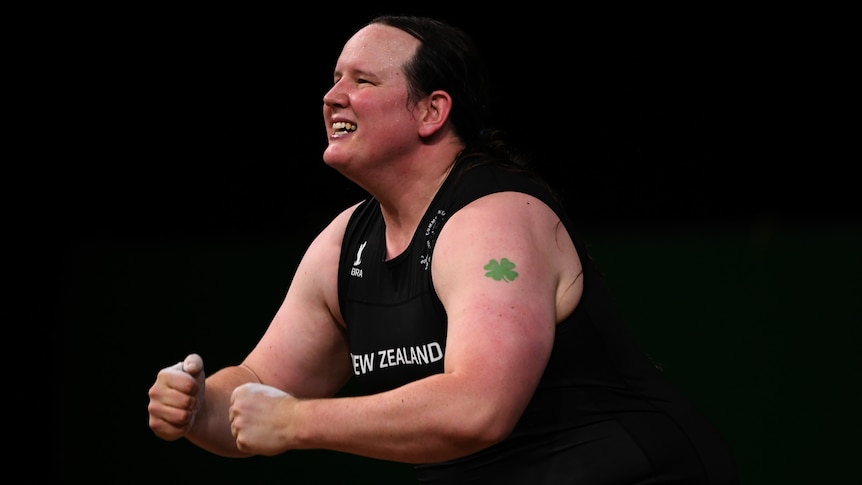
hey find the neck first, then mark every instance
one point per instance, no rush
(408, 197)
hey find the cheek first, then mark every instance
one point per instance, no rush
(384, 118)
(389, 103)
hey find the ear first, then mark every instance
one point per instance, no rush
(434, 113)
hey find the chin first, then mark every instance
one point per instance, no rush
(334, 159)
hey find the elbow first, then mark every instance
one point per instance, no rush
(497, 429)
(482, 430)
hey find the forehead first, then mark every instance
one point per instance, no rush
(376, 48)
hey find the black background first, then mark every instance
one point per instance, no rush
(212, 120)
(185, 179)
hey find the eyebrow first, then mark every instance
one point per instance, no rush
(354, 72)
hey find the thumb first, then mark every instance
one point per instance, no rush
(193, 364)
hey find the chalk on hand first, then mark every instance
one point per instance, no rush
(193, 364)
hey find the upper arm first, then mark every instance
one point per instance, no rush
(304, 349)
(502, 318)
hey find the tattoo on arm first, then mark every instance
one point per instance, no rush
(504, 270)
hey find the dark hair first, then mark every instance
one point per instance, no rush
(448, 59)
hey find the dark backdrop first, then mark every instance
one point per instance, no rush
(698, 150)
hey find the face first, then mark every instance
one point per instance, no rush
(368, 120)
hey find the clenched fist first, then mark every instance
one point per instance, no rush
(176, 397)
(260, 419)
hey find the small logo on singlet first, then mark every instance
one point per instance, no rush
(430, 237)
(354, 271)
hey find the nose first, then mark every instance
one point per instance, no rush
(335, 97)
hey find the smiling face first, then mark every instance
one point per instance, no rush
(368, 120)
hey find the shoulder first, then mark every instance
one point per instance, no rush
(328, 241)
(316, 277)
(501, 224)
(508, 237)
(505, 212)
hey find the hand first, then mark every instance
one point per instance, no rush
(176, 397)
(256, 415)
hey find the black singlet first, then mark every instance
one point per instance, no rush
(602, 413)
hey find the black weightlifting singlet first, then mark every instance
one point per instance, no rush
(602, 414)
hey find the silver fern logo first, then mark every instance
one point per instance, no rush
(354, 271)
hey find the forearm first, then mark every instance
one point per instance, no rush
(430, 420)
(211, 430)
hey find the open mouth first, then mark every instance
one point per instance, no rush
(342, 127)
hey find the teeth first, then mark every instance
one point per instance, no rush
(343, 126)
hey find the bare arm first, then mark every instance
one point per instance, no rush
(499, 339)
(303, 352)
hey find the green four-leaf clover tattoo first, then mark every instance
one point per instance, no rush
(501, 271)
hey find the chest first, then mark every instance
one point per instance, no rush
(396, 325)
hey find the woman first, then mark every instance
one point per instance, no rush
(459, 298)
